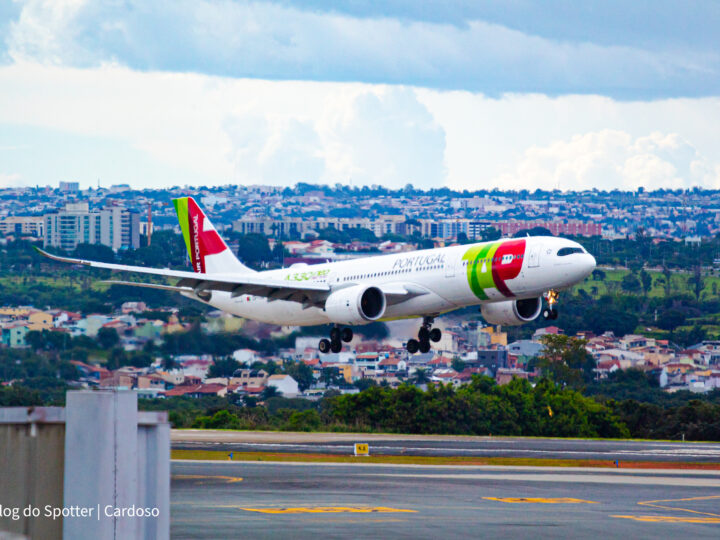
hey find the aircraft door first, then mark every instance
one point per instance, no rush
(533, 256)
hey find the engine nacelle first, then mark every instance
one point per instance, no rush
(355, 305)
(512, 312)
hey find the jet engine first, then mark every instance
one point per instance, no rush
(512, 312)
(360, 304)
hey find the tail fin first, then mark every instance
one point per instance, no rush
(208, 252)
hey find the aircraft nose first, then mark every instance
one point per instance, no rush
(591, 263)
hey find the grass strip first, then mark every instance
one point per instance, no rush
(222, 455)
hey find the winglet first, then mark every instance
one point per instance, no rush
(61, 259)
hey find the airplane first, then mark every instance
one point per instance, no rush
(507, 278)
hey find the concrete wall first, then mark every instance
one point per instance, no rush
(32, 443)
(98, 453)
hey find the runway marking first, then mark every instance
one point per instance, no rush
(671, 519)
(664, 507)
(713, 518)
(536, 500)
(329, 510)
(559, 476)
(226, 479)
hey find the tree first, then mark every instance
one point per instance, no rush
(223, 367)
(671, 319)
(598, 275)
(107, 337)
(610, 318)
(668, 275)
(269, 392)
(646, 280)
(697, 281)
(364, 383)
(457, 364)
(302, 373)
(630, 283)
(331, 376)
(566, 360)
(421, 376)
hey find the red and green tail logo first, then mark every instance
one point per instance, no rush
(490, 265)
(201, 238)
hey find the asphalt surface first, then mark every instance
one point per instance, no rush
(342, 443)
(290, 500)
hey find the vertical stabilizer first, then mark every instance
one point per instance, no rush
(208, 252)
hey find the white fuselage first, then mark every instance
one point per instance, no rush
(443, 275)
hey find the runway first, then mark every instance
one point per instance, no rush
(302, 500)
(513, 447)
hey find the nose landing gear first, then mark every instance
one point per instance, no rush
(426, 334)
(337, 336)
(550, 313)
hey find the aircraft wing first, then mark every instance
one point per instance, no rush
(192, 282)
(308, 293)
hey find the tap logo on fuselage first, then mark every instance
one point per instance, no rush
(490, 265)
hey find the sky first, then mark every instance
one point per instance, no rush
(470, 95)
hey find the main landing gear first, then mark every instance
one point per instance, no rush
(337, 336)
(426, 334)
(550, 312)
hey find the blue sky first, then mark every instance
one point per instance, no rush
(509, 93)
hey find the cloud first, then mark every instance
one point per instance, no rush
(162, 129)
(389, 139)
(280, 155)
(211, 130)
(612, 159)
(10, 180)
(481, 50)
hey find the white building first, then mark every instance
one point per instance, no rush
(114, 226)
(285, 384)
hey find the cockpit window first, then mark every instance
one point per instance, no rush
(569, 251)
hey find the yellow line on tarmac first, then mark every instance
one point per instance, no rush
(556, 500)
(328, 510)
(227, 479)
(664, 507)
(671, 519)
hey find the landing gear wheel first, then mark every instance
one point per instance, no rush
(412, 346)
(550, 313)
(435, 335)
(335, 334)
(336, 346)
(324, 346)
(424, 334)
(424, 346)
(346, 335)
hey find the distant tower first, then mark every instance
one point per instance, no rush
(149, 224)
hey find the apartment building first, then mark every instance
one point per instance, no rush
(114, 226)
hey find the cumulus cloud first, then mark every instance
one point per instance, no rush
(271, 41)
(389, 139)
(164, 129)
(611, 159)
(218, 130)
(280, 154)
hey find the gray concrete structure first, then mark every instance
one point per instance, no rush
(31, 468)
(122, 459)
(100, 465)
